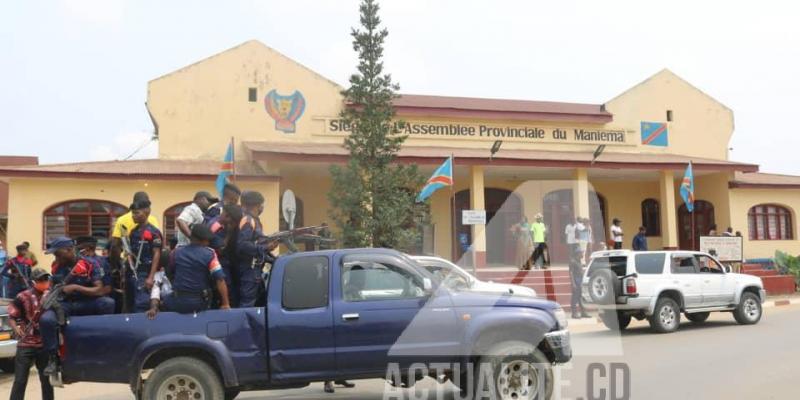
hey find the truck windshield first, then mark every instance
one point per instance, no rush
(618, 264)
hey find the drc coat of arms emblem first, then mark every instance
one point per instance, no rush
(285, 110)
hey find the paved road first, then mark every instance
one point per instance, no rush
(718, 360)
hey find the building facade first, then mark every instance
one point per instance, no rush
(283, 119)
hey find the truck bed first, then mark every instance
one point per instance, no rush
(233, 338)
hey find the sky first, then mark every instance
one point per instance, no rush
(74, 73)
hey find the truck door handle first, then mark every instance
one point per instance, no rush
(707, 281)
(350, 317)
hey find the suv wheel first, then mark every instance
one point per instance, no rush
(615, 320)
(603, 287)
(666, 317)
(698, 317)
(748, 312)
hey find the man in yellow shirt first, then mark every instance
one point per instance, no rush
(538, 234)
(124, 226)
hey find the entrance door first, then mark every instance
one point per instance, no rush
(503, 209)
(558, 212)
(703, 219)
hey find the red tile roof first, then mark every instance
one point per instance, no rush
(765, 181)
(471, 107)
(136, 169)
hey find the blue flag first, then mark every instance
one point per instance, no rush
(687, 188)
(442, 177)
(225, 170)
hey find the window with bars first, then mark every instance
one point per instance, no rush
(651, 217)
(770, 222)
(170, 216)
(81, 218)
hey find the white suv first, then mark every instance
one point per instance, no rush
(660, 285)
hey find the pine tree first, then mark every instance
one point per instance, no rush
(372, 197)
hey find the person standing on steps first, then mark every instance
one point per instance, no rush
(539, 235)
(616, 233)
(640, 240)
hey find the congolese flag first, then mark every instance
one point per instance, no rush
(443, 176)
(225, 170)
(687, 188)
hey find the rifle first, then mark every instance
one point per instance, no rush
(128, 264)
(51, 300)
(21, 275)
(285, 238)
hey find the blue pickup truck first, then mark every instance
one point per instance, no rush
(330, 315)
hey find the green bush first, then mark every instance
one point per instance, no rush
(788, 264)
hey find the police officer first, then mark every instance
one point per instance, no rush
(225, 228)
(576, 277)
(194, 267)
(83, 293)
(230, 196)
(146, 242)
(249, 252)
(87, 247)
(17, 271)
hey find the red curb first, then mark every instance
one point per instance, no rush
(782, 302)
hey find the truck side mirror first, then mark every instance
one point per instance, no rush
(726, 268)
(427, 284)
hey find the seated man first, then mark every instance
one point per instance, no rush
(87, 247)
(83, 294)
(194, 267)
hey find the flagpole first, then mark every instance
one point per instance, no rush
(693, 229)
(453, 225)
(233, 160)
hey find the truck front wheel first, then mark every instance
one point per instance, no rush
(748, 312)
(183, 378)
(511, 370)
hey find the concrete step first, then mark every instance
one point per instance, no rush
(531, 280)
(781, 284)
(752, 267)
(508, 276)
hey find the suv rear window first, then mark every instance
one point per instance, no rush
(617, 264)
(650, 263)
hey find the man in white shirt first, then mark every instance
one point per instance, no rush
(616, 233)
(192, 215)
(569, 233)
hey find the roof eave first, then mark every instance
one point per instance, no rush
(139, 176)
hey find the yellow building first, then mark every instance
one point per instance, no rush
(283, 120)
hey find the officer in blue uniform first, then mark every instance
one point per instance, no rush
(84, 293)
(225, 228)
(230, 196)
(146, 242)
(250, 253)
(193, 267)
(87, 247)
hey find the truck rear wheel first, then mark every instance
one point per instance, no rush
(511, 370)
(666, 317)
(183, 378)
